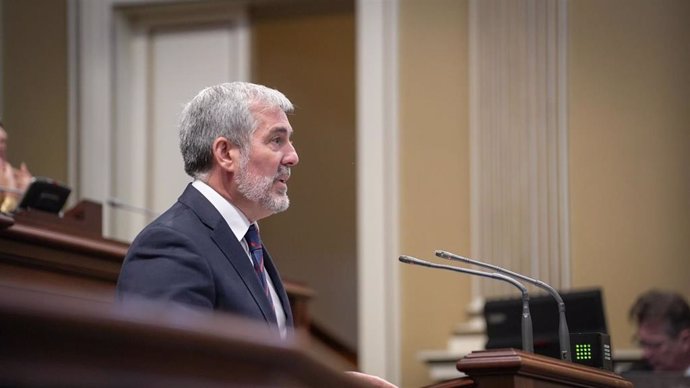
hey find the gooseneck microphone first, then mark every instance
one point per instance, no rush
(563, 333)
(527, 338)
(117, 204)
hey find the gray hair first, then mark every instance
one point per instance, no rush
(223, 110)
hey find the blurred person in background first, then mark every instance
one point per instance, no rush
(663, 330)
(13, 182)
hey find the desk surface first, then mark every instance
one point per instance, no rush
(6, 221)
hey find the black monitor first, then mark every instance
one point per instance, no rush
(584, 311)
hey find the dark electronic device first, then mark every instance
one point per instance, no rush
(593, 349)
(45, 194)
(584, 312)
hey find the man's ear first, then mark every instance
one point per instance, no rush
(226, 154)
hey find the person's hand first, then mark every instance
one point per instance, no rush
(7, 179)
(9, 196)
(22, 177)
(369, 380)
(2, 172)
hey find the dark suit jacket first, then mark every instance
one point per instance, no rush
(189, 255)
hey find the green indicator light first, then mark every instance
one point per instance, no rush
(583, 351)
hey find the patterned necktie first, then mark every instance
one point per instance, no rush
(256, 250)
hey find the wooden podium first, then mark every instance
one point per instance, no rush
(52, 340)
(511, 368)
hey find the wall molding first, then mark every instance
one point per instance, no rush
(518, 136)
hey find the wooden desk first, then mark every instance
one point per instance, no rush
(49, 340)
(68, 253)
(5, 221)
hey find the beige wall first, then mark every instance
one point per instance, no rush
(35, 84)
(630, 150)
(629, 122)
(309, 54)
(629, 147)
(434, 168)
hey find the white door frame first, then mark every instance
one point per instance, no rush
(378, 188)
(93, 64)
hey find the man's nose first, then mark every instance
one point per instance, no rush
(291, 158)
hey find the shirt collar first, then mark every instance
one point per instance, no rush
(236, 220)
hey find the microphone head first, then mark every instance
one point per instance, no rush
(406, 259)
(442, 254)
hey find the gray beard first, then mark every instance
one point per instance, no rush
(258, 188)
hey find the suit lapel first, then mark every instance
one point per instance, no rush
(226, 241)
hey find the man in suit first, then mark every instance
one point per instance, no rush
(205, 250)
